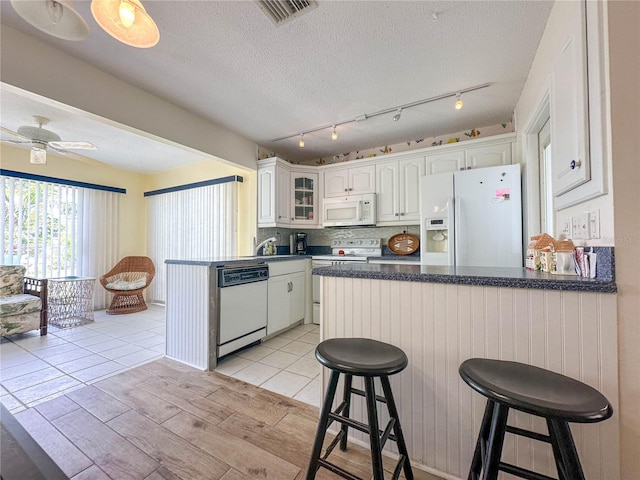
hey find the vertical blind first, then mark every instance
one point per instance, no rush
(190, 224)
(58, 230)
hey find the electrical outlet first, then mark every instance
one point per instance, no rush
(594, 223)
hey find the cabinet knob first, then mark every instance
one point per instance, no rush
(396, 214)
(575, 164)
(402, 214)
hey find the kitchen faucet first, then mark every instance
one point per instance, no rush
(263, 243)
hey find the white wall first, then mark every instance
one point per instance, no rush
(620, 207)
(41, 69)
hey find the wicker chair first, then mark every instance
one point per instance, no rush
(126, 281)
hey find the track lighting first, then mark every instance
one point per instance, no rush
(459, 104)
(126, 21)
(398, 109)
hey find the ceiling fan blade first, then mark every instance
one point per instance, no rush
(76, 156)
(73, 146)
(15, 134)
(13, 142)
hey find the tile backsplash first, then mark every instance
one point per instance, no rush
(323, 237)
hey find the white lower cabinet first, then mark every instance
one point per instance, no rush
(286, 294)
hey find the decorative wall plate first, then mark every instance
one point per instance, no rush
(403, 243)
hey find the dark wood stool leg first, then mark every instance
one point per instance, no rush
(316, 451)
(491, 460)
(374, 430)
(481, 444)
(397, 429)
(346, 398)
(568, 464)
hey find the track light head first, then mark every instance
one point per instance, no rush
(459, 103)
(334, 134)
(397, 116)
(301, 142)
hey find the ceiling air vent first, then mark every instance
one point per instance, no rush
(282, 11)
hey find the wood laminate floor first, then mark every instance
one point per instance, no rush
(164, 420)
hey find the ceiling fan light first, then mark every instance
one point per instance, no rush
(56, 18)
(114, 17)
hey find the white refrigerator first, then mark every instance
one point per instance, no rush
(472, 218)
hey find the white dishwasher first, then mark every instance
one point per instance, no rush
(242, 306)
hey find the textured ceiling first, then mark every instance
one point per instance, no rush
(228, 63)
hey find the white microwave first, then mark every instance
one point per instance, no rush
(349, 211)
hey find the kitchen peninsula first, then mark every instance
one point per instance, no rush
(440, 316)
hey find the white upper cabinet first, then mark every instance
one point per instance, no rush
(305, 198)
(350, 181)
(398, 190)
(445, 162)
(570, 163)
(463, 156)
(488, 156)
(287, 195)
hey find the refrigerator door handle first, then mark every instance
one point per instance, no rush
(454, 253)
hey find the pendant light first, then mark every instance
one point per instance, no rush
(57, 18)
(459, 103)
(301, 142)
(334, 134)
(126, 21)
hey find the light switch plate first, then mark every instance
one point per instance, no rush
(580, 226)
(566, 230)
(594, 224)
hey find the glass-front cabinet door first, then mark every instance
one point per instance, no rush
(304, 198)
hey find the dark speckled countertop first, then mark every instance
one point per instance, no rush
(480, 276)
(221, 261)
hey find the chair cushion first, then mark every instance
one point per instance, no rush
(19, 304)
(11, 280)
(127, 281)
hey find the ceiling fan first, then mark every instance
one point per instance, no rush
(41, 139)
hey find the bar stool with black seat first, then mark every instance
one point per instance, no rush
(560, 400)
(361, 357)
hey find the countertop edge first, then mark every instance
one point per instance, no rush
(491, 278)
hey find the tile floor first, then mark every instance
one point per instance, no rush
(35, 369)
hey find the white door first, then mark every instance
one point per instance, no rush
(387, 193)
(297, 296)
(489, 156)
(488, 217)
(362, 180)
(336, 183)
(445, 162)
(569, 110)
(410, 171)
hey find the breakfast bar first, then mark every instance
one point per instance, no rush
(441, 316)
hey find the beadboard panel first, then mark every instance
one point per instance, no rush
(189, 332)
(439, 326)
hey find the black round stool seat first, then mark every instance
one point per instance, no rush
(368, 360)
(556, 398)
(361, 357)
(535, 390)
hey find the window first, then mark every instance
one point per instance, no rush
(197, 221)
(58, 229)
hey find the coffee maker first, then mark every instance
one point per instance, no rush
(298, 243)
